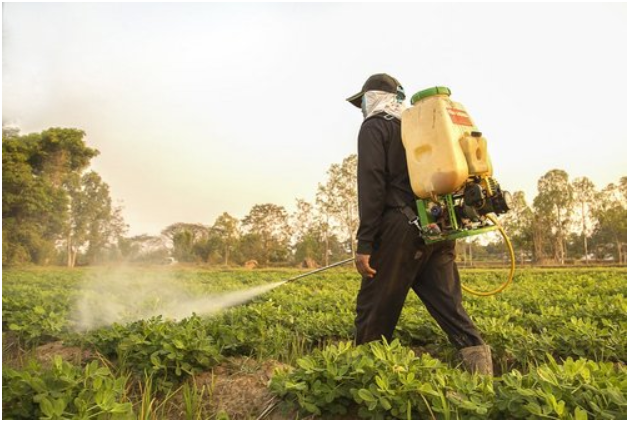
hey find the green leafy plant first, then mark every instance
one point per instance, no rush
(168, 350)
(64, 391)
(384, 380)
(388, 380)
(546, 316)
(580, 389)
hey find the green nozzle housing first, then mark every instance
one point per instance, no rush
(435, 90)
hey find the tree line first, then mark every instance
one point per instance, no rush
(570, 221)
(57, 211)
(316, 233)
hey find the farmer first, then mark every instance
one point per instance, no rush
(391, 257)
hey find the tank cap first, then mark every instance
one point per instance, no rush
(435, 90)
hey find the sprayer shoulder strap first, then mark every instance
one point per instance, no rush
(382, 115)
(404, 208)
(410, 214)
(407, 210)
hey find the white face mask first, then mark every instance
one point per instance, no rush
(379, 101)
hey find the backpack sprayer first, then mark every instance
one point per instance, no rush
(451, 174)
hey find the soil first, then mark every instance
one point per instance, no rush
(72, 354)
(236, 389)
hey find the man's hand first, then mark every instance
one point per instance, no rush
(363, 267)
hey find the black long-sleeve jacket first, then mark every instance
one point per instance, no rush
(383, 180)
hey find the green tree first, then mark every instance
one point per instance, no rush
(622, 189)
(183, 244)
(186, 240)
(210, 249)
(553, 204)
(611, 216)
(227, 232)
(36, 172)
(306, 232)
(251, 247)
(518, 224)
(60, 154)
(584, 195)
(312, 238)
(270, 225)
(143, 248)
(94, 223)
(27, 236)
(338, 198)
(324, 212)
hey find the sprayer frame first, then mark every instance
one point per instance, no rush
(425, 219)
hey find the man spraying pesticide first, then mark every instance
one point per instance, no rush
(424, 180)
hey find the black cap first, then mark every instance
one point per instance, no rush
(377, 82)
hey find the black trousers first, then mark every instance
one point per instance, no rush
(403, 262)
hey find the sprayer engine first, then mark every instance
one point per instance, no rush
(482, 196)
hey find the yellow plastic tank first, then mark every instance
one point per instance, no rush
(474, 148)
(443, 146)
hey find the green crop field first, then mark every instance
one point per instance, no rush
(559, 340)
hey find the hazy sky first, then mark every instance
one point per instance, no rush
(199, 109)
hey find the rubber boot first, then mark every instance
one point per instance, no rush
(477, 359)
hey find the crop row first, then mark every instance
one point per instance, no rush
(547, 316)
(564, 313)
(380, 380)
